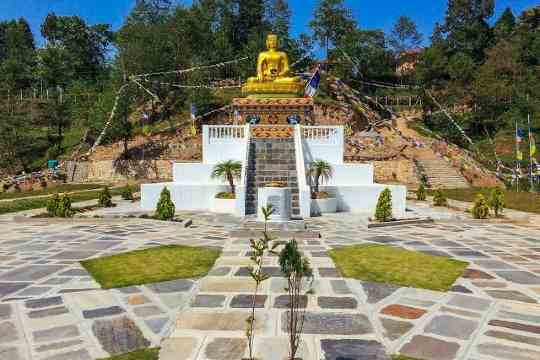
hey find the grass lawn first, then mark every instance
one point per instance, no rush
(145, 354)
(390, 265)
(52, 190)
(151, 265)
(523, 201)
(402, 357)
(29, 204)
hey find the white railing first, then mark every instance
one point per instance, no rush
(242, 188)
(324, 143)
(225, 133)
(303, 188)
(245, 162)
(323, 135)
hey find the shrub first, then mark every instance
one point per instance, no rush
(383, 212)
(421, 193)
(64, 209)
(127, 193)
(105, 198)
(52, 205)
(165, 209)
(480, 208)
(497, 201)
(439, 199)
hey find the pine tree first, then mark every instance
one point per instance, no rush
(383, 211)
(332, 20)
(405, 35)
(105, 198)
(480, 208)
(165, 209)
(505, 24)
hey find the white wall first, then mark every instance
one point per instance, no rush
(351, 174)
(185, 197)
(363, 198)
(221, 143)
(195, 174)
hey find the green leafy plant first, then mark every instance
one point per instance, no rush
(480, 208)
(297, 270)
(105, 198)
(165, 209)
(52, 204)
(497, 201)
(127, 193)
(228, 171)
(260, 248)
(439, 199)
(383, 211)
(320, 170)
(421, 193)
(225, 196)
(64, 209)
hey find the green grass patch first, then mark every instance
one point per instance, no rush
(395, 266)
(522, 201)
(144, 354)
(30, 204)
(159, 264)
(53, 190)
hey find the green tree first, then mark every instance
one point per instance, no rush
(497, 201)
(439, 199)
(320, 170)
(480, 208)
(405, 35)
(165, 209)
(105, 198)
(17, 54)
(383, 210)
(506, 24)
(421, 193)
(228, 171)
(332, 20)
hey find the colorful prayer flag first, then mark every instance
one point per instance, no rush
(313, 85)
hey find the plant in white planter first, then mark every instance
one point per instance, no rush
(228, 171)
(322, 202)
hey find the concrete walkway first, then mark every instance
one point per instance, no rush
(50, 309)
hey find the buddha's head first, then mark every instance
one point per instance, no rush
(272, 42)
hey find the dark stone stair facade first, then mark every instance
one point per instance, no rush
(271, 160)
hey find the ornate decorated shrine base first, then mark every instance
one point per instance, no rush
(273, 111)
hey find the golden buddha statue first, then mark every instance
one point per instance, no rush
(273, 74)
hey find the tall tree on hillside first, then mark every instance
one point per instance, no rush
(73, 44)
(437, 37)
(505, 24)
(466, 26)
(280, 18)
(332, 20)
(17, 54)
(405, 35)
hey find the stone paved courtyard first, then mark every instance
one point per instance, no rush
(51, 309)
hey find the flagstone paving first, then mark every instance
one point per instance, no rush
(50, 308)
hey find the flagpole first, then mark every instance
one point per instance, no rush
(517, 160)
(531, 138)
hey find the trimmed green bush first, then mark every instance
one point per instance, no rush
(383, 212)
(480, 208)
(64, 209)
(439, 199)
(497, 201)
(421, 193)
(52, 205)
(165, 209)
(127, 193)
(105, 198)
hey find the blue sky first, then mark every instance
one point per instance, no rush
(369, 13)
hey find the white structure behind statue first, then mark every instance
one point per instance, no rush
(352, 185)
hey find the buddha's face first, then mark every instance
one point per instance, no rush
(271, 42)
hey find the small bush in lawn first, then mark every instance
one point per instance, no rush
(105, 198)
(64, 209)
(421, 193)
(439, 199)
(497, 201)
(127, 193)
(480, 208)
(383, 212)
(165, 209)
(52, 205)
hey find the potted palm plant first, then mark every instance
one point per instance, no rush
(321, 201)
(225, 202)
